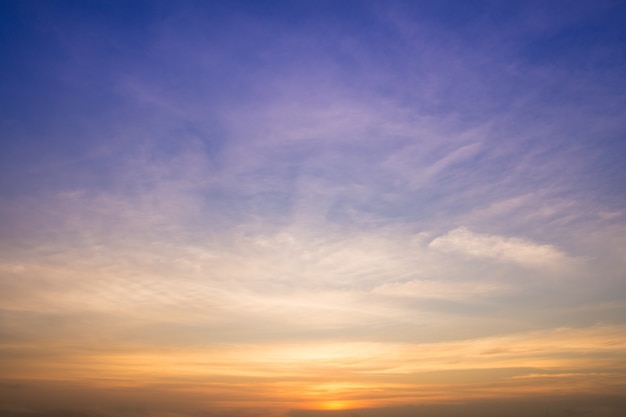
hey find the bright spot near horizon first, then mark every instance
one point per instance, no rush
(336, 405)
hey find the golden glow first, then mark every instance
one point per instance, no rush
(347, 375)
(335, 405)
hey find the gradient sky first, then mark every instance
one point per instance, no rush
(312, 208)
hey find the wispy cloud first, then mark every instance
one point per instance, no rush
(520, 251)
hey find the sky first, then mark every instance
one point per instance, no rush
(312, 208)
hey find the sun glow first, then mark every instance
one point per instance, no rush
(336, 405)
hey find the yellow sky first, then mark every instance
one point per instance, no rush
(335, 375)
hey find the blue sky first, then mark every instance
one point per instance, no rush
(277, 206)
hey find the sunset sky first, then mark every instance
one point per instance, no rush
(312, 208)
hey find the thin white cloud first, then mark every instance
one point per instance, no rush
(506, 249)
(441, 289)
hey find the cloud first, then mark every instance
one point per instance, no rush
(506, 249)
(252, 284)
(309, 374)
(441, 289)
